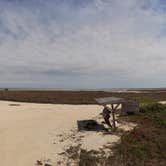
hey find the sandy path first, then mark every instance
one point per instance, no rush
(32, 131)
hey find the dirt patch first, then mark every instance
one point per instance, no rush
(14, 104)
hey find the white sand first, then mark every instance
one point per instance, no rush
(31, 132)
(162, 102)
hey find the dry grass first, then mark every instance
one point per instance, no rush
(77, 97)
(143, 146)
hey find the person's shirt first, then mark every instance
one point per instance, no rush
(106, 111)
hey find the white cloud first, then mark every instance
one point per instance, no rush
(108, 43)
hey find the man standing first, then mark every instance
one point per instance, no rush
(106, 115)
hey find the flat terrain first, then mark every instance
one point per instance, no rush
(42, 125)
(31, 132)
(79, 97)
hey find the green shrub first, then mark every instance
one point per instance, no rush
(155, 107)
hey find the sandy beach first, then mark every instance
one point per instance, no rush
(31, 132)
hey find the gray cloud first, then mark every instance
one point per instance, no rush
(106, 43)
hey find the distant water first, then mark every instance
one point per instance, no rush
(66, 89)
(134, 90)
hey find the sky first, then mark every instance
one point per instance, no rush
(83, 43)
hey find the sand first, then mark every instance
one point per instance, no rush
(30, 132)
(162, 102)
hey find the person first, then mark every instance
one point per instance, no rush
(106, 115)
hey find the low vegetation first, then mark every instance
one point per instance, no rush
(143, 146)
(146, 144)
(77, 97)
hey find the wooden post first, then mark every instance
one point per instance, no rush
(113, 114)
(112, 106)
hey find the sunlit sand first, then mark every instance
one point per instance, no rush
(31, 132)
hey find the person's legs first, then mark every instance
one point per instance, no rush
(107, 121)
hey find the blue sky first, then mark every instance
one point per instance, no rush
(82, 43)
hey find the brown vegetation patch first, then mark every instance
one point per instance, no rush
(143, 146)
(77, 97)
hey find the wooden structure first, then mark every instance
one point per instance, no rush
(114, 102)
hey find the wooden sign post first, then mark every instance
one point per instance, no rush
(113, 114)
